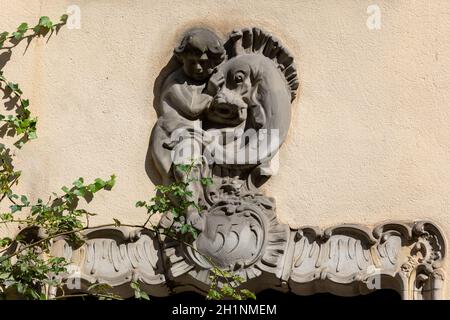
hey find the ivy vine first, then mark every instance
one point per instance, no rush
(27, 269)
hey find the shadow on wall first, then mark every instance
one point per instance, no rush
(170, 67)
(5, 56)
(9, 99)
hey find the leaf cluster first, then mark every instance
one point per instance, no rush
(25, 266)
(230, 287)
(44, 25)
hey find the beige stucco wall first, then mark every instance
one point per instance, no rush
(369, 138)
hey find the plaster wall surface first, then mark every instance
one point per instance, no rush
(369, 139)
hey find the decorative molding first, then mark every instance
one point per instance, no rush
(344, 260)
(353, 259)
(115, 256)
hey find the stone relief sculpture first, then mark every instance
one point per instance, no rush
(231, 115)
(228, 106)
(241, 129)
(183, 103)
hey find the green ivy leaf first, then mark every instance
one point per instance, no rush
(206, 181)
(81, 191)
(111, 182)
(23, 27)
(174, 211)
(79, 183)
(45, 22)
(14, 208)
(4, 275)
(25, 103)
(227, 290)
(102, 288)
(144, 295)
(214, 295)
(184, 167)
(20, 287)
(32, 135)
(21, 30)
(14, 88)
(24, 200)
(17, 35)
(99, 183)
(184, 228)
(193, 232)
(5, 242)
(134, 285)
(7, 216)
(248, 294)
(138, 293)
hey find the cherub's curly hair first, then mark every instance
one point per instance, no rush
(198, 41)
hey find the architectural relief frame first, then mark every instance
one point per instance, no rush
(245, 85)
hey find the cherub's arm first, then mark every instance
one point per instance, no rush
(176, 107)
(189, 101)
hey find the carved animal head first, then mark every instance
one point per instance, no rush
(250, 88)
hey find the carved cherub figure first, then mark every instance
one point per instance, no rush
(183, 101)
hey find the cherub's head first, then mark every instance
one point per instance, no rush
(200, 51)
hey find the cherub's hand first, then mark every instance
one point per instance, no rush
(215, 83)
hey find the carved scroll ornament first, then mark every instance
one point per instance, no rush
(344, 260)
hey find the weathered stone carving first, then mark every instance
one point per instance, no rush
(247, 99)
(232, 113)
(230, 105)
(115, 256)
(344, 260)
(352, 259)
(243, 236)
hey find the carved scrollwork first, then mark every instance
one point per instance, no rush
(242, 234)
(345, 260)
(114, 256)
(406, 257)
